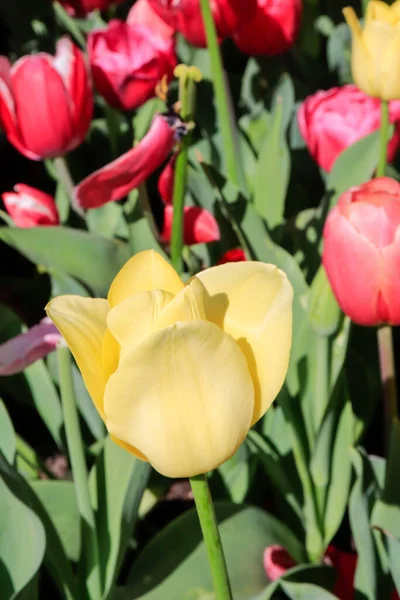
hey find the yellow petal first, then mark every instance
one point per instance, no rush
(184, 398)
(82, 323)
(128, 448)
(378, 11)
(147, 271)
(252, 301)
(352, 21)
(132, 321)
(110, 352)
(188, 305)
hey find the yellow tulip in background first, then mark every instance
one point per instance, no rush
(375, 58)
(179, 373)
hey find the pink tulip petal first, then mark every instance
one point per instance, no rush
(118, 178)
(199, 226)
(277, 561)
(21, 351)
(141, 13)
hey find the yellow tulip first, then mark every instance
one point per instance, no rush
(179, 373)
(375, 58)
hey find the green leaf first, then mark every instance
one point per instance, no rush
(90, 258)
(8, 444)
(354, 166)
(323, 310)
(58, 498)
(273, 169)
(306, 591)
(108, 221)
(394, 560)
(61, 284)
(144, 116)
(174, 564)
(317, 575)
(235, 473)
(27, 461)
(117, 482)
(386, 513)
(55, 558)
(22, 543)
(45, 398)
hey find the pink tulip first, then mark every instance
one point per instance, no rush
(46, 102)
(128, 61)
(118, 178)
(166, 181)
(21, 351)
(185, 17)
(234, 255)
(361, 252)
(331, 121)
(272, 29)
(199, 226)
(141, 13)
(79, 8)
(30, 207)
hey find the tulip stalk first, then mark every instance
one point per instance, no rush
(384, 138)
(223, 100)
(80, 475)
(188, 76)
(209, 528)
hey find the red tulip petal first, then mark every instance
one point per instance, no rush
(199, 226)
(45, 121)
(277, 561)
(234, 255)
(141, 13)
(166, 181)
(30, 207)
(19, 352)
(118, 178)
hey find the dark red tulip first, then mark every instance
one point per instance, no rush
(234, 255)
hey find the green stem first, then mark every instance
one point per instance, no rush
(80, 475)
(64, 177)
(384, 138)
(212, 539)
(223, 100)
(69, 24)
(388, 378)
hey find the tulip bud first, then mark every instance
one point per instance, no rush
(21, 351)
(79, 8)
(46, 102)
(185, 16)
(234, 255)
(331, 121)
(128, 61)
(30, 207)
(179, 373)
(272, 29)
(375, 57)
(199, 226)
(361, 252)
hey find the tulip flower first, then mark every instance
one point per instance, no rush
(199, 226)
(331, 121)
(166, 181)
(234, 255)
(361, 252)
(128, 61)
(22, 350)
(375, 57)
(179, 373)
(46, 102)
(141, 13)
(272, 29)
(80, 8)
(118, 178)
(186, 18)
(30, 207)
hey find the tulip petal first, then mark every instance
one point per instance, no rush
(184, 398)
(129, 448)
(188, 305)
(199, 226)
(110, 353)
(147, 271)
(82, 322)
(252, 302)
(132, 320)
(118, 178)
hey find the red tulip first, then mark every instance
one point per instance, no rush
(362, 252)
(185, 16)
(30, 207)
(46, 102)
(128, 61)
(277, 561)
(234, 255)
(21, 351)
(79, 8)
(272, 29)
(141, 13)
(199, 226)
(331, 121)
(118, 178)
(166, 181)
